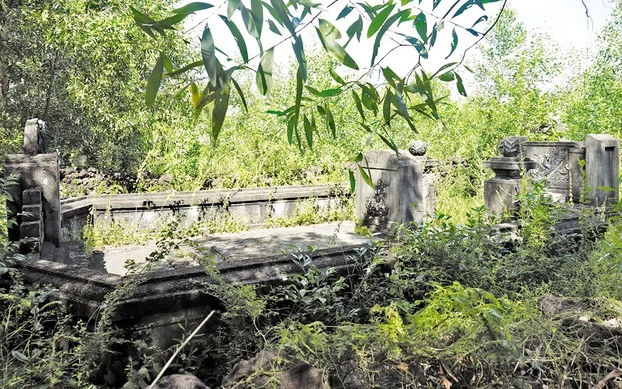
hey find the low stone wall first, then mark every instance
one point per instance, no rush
(250, 206)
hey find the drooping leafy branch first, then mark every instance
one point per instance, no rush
(417, 25)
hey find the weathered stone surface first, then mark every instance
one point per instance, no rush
(602, 161)
(31, 196)
(511, 146)
(403, 190)
(552, 165)
(243, 247)
(252, 206)
(31, 236)
(267, 369)
(180, 381)
(576, 166)
(32, 212)
(39, 171)
(31, 229)
(34, 137)
(500, 192)
(417, 148)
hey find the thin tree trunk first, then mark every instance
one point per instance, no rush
(50, 84)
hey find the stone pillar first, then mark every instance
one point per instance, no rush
(500, 192)
(39, 171)
(403, 189)
(602, 163)
(39, 178)
(34, 137)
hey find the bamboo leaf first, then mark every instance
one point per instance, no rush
(330, 121)
(379, 20)
(308, 131)
(345, 12)
(240, 93)
(359, 106)
(460, 85)
(365, 176)
(184, 69)
(233, 6)
(191, 8)
(237, 36)
(264, 72)
(381, 32)
(153, 82)
(336, 77)
(332, 47)
(421, 25)
(454, 43)
(221, 103)
(355, 28)
(208, 53)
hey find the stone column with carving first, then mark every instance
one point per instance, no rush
(403, 189)
(38, 171)
(500, 192)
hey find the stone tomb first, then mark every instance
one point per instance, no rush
(403, 189)
(581, 172)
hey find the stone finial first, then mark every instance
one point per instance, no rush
(34, 137)
(417, 148)
(510, 146)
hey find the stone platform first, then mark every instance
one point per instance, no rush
(238, 247)
(176, 291)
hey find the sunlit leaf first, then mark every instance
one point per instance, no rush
(195, 94)
(454, 43)
(153, 82)
(460, 85)
(208, 53)
(233, 6)
(328, 30)
(336, 77)
(379, 20)
(355, 29)
(421, 25)
(365, 176)
(336, 50)
(240, 93)
(221, 103)
(381, 32)
(192, 8)
(447, 77)
(238, 37)
(264, 72)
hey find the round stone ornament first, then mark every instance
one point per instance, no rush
(417, 148)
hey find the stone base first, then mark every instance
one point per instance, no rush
(499, 195)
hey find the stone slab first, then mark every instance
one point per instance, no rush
(239, 247)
